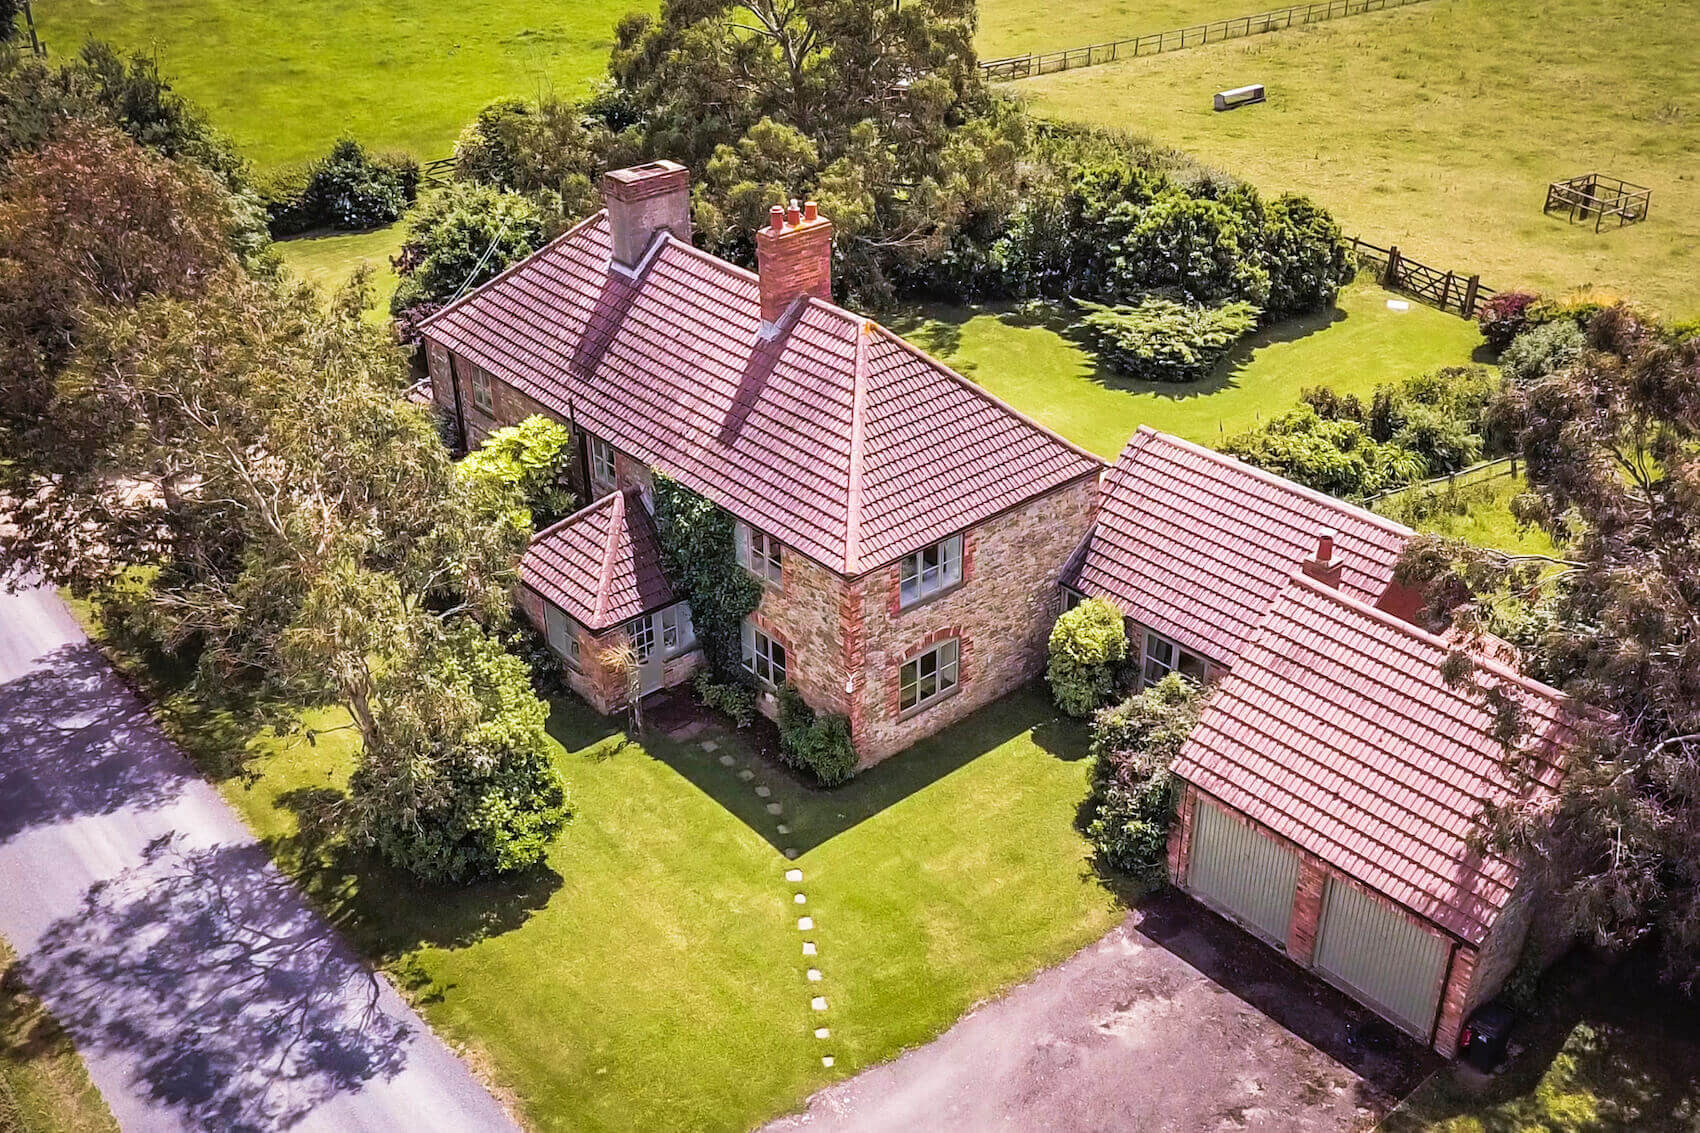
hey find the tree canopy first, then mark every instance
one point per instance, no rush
(1612, 445)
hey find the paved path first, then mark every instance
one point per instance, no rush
(1174, 1021)
(200, 989)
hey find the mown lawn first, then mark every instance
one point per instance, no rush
(651, 974)
(43, 1085)
(1039, 365)
(329, 260)
(1015, 27)
(284, 79)
(1437, 127)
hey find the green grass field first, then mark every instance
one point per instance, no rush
(285, 77)
(329, 260)
(651, 974)
(1014, 27)
(1437, 127)
(1039, 366)
(43, 1085)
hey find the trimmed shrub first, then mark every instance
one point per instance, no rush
(1087, 646)
(347, 188)
(820, 745)
(1306, 255)
(1504, 316)
(1161, 340)
(1199, 248)
(1131, 803)
(729, 698)
(1542, 350)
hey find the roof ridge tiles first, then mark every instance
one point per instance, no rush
(610, 553)
(858, 443)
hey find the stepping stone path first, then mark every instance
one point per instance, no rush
(746, 774)
(709, 746)
(811, 974)
(784, 829)
(727, 761)
(775, 808)
(762, 792)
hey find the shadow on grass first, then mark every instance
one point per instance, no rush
(1608, 1048)
(814, 815)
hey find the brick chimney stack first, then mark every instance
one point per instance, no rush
(643, 201)
(1326, 565)
(794, 258)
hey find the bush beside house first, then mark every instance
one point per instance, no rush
(1087, 647)
(1131, 802)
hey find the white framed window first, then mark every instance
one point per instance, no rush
(759, 553)
(1071, 598)
(929, 571)
(929, 678)
(601, 463)
(1163, 657)
(641, 633)
(482, 397)
(678, 635)
(562, 632)
(764, 658)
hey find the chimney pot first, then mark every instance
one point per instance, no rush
(1325, 546)
(1326, 567)
(644, 201)
(794, 258)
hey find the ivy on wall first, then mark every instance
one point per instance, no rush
(699, 553)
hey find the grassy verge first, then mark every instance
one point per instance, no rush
(651, 974)
(1014, 27)
(285, 79)
(1418, 127)
(1608, 1051)
(43, 1085)
(1038, 365)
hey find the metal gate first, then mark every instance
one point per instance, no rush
(1380, 956)
(1241, 873)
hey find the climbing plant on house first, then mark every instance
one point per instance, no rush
(699, 553)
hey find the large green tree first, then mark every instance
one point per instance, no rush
(299, 530)
(1612, 445)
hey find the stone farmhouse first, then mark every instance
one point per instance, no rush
(916, 539)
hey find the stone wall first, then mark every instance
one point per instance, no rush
(1002, 613)
(802, 613)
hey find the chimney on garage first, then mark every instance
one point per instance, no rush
(1326, 565)
(644, 201)
(794, 259)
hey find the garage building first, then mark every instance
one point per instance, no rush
(1330, 790)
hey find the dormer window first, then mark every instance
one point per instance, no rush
(930, 571)
(760, 554)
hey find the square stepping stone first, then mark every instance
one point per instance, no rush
(790, 853)
(808, 948)
(793, 875)
(763, 792)
(804, 924)
(826, 1061)
(727, 761)
(775, 808)
(818, 1003)
(814, 975)
(783, 829)
(746, 774)
(800, 899)
(822, 1033)
(710, 746)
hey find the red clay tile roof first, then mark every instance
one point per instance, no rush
(837, 437)
(1195, 545)
(1337, 729)
(600, 565)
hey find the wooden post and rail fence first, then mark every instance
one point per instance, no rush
(1465, 477)
(1445, 290)
(1237, 27)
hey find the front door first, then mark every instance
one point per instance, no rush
(642, 632)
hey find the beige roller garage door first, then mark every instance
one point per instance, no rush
(1372, 950)
(1240, 872)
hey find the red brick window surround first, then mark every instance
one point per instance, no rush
(932, 672)
(931, 570)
